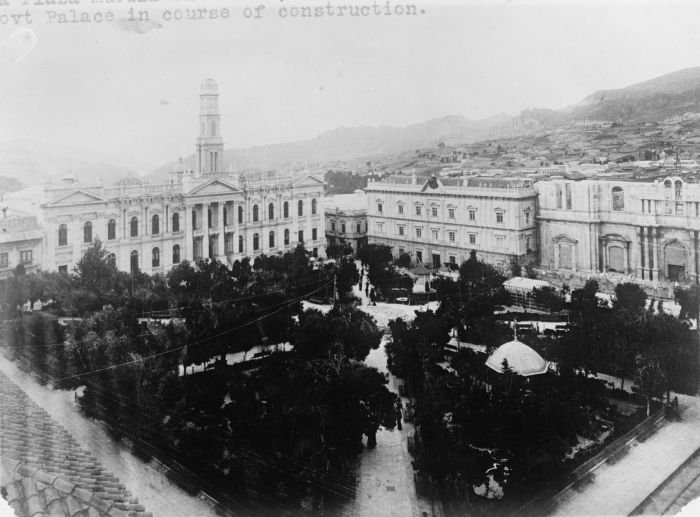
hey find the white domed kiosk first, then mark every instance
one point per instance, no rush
(522, 359)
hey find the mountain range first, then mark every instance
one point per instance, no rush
(657, 99)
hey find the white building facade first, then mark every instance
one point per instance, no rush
(205, 213)
(644, 229)
(442, 220)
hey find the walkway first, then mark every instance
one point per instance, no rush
(155, 491)
(619, 488)
(386, 487)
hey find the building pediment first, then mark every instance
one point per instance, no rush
(308, 181)
(213, 187)
(563, 239)
(76, 197)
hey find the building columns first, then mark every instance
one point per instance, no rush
(639, 246)
(189, 234)
(220, 252)
(655, 249)
(205, 226)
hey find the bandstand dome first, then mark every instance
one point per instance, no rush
(522, 359)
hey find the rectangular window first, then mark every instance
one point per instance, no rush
(419, 210)
(436, 234)
(401, 209)
(63, 270)
(472, 238)
(419, 256)
(314, 234)
(527, 217)
(451, 236)
(528, 243)
(558, 196)
(380, 208)
(451, 213)
(401, 251)
(301, 236)
(419, 232)
(359, 228)
(453, 259)
(380, 227)
(568, 196)
(434, 211)
(401, 230)
(679, 208)
(4, 260)
(499, 217)
(500, 241)
(25, 257)
(342, 228)
(472, 215)
(333, 226)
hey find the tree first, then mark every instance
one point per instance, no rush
(403, 260)
(347, 276)
(343, 330)
(630, 298)
(548, 297)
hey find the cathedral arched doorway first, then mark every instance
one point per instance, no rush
(675, 257)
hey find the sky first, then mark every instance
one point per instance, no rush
(108, 88)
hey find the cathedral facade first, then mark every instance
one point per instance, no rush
(643, 229)
(207, 212)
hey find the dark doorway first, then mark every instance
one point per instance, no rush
(676, 273)
(436, 261)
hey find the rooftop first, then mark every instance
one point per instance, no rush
(357, 201)
(44, 472)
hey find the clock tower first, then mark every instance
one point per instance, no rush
(210, 145)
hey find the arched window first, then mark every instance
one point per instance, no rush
(134, 227)
(256, 242)
(155, 225)
(87, 232)
(240, 244)
(155, 257)
(300, 208)
(240, 215)
(255, 213)
(313, 207)
(618, 198)
(679, 190)
(176, 254)
(134, 261)
(213, 128)
(286, 209)
(380, 207)
(286, 237)
(63, 235)
(271, 211)
(176, 222)
(111, 230)
(272, 239)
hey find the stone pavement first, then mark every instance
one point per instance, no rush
(386, 487)
(619, 488)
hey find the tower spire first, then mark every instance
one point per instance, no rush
(210, 144)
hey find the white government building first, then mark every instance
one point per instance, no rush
(439, 220)
(200, 213)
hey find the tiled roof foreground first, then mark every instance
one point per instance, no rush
(43, 471)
